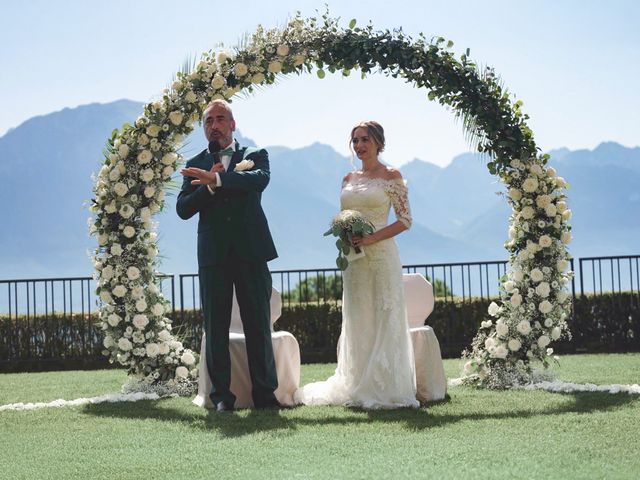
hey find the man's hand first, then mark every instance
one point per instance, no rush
(202, 177)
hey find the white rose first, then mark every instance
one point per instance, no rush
(126, 211)
(545, 241)
(191, 97)
(141, 305)
(493, 309)
(536, 275)
(113, 320)
(555, 333)
(468, 368)
(157, 309)
(167, 171)
(275, 67)
(530, 185)
(110, 208)
(119, 291)
(140, 321)
(147, 175)
(106, 297)
(108, 341)
(543, 341)
(164, 336)
(543, 200)
(149, 192)
(543, 289)
(133, 273)
(566, 215)
(103, 239)
(176, 117)
(257, 78)
(240, 69)
(145, 214)
(566, 237)
(561, 182)
(123, 150)
(512, 232)
(527, 212)
(152, 252)
(514, 344)
(169, 158)
(518, 276)
(138, 337)
(222, 57)
(152, 350)
(502, 329)
(163, 349)
(550, 210)
(182, 372)
(524, 327)
(299, 59)
(114, 174)
(509, 285)
(489, 343)
(486, 324)
(129, 231)
(153, 130)
(107, 272)
(516, 299)
(124, 344)
(137, 292)
(562, 296)
(188, 358)
(536, 169)
(116, 249)
(500, 352)
(282, 50)
(218, 82)
(551, 172)
(144, 157)
(121, 189)
(545, 307)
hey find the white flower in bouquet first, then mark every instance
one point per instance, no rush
(512, 232)
(489, 343)
(536, 169)
(275, 66)
(149, 191)
(138, 337)
(191, 97)
(114, 174)
(116, 249)
(147, 175)
(182, 372)
(545, 241)
(555, 333)
(158, 309)
(222, 57)
(144, 157)
(140, 321)
(123, 150)
(545, 307)
(152, 252)
(218, 82)
(550, 210)
(515, 194)
(509, 286)
(524, 327)
(543, 200)
(108, 342)
(110, 207)
(502, 329)
(543, 289)
(187, 358)
(566, 238)
(527, 212)
(152, 350)
(562, 296)
(163, 348)
(125, 345)
(543, 341)
(486, 324)
(169, 158)
(493, 309)
(114, 319)
(518, 275)
(257, 78)
(299, 59)
(176, 117)
(549, 352)
(167, 171)
(561, 182)
(175, 345)
(129, 231)
(107, 273)
(145, 214)
(106, 297)
(141, 305)
(468, 368)
(500, 352)
(548, 322)
(153, 130)
(566, 215)
(561, 207)
(103, 239)
(516, 299)
(514, 344)
(530, 185)
(126, 211)
(551, 172)
(119, 291)
(137, 292)
(121, 189)
(346, 225)
(240, 69)
(536, 275)
(282, 50)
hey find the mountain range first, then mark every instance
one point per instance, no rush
(46, 165)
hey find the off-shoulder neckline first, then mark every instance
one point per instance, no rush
(369, 179)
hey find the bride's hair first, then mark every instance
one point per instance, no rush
(375, 131)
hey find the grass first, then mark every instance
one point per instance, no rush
(475, 433)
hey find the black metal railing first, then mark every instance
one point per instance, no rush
(609, 274)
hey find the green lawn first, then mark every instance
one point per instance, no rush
(474, 434)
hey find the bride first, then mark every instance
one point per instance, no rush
(375, 358)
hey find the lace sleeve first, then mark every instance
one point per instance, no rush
(399, 195)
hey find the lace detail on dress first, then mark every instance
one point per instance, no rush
(399, 194)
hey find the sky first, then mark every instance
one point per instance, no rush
(573, 64)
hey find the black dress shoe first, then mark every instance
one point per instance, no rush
(223, 407)
(269, 405)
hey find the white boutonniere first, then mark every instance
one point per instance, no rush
(244, 165)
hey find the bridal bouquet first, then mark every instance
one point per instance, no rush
(346, 225)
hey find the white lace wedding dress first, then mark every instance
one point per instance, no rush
(375, 356)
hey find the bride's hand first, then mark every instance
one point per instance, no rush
(359, 241)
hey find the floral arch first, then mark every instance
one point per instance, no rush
(141, 158)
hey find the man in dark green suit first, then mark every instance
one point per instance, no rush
(224, 185)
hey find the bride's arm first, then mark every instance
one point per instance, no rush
(387, 232)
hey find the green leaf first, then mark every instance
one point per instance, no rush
(339, 244)
(320, 73)
(346, 248)
(352, 24)
(328, 232)
(432, 95)
(342, 263)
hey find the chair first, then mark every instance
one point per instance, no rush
(286, 352)
(431, 382)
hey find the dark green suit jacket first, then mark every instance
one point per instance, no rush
(233, 216)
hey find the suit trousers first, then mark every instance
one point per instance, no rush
(252, 281)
